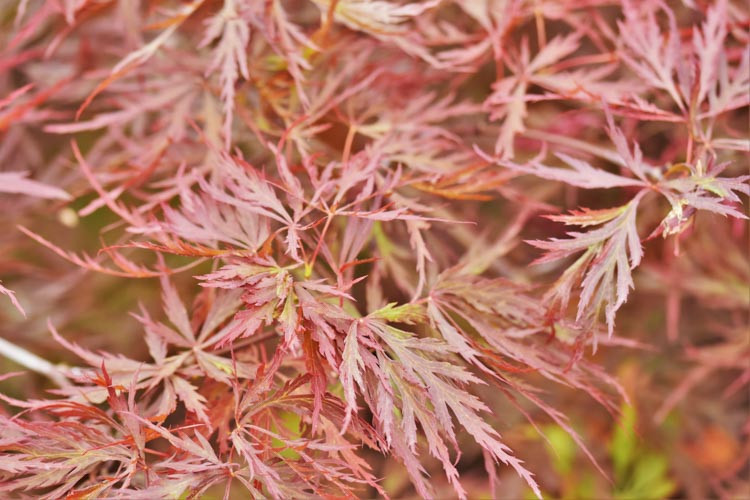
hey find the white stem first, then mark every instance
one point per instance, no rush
(32, 362)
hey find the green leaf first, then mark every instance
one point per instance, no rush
(623, 445)
(405, 313)
(564, 449)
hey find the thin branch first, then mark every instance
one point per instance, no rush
(33, 362)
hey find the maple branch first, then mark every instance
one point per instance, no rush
(32, 362)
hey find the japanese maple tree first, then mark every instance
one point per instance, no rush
(299, 248)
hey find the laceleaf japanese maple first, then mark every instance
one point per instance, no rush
(320, 226)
